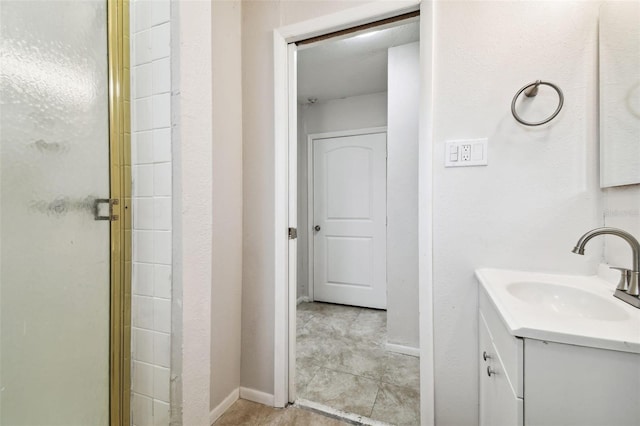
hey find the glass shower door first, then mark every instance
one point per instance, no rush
(54, 255)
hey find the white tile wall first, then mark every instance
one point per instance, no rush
(151, 155)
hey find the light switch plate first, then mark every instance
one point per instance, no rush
(466, 153)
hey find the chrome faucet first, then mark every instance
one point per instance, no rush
(627, 289)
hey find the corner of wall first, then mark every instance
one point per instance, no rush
(226, 273)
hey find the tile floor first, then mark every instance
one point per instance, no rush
(246, 413)
(342, 363)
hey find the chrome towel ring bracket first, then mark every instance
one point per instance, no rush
(530, 91)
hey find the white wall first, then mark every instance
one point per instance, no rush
(402, 195)
(227, 205)
(151, 187)
(192, 137)
(207, 182)
(539, 192)
(357, 112)
(621, 210)
(207, 133)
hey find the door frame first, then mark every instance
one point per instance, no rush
(285, 197)
(120, 228)
(310, 205)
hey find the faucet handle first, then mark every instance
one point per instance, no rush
(625, 277)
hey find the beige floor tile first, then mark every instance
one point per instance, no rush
(303, 317)
(360, 359)
(305, 371)
(331, 325)
(244, 412)
(247, 413)
(329, 309)
(343, 391)
(313, 347)
(372, 316)
(342, 362)
(370, 326)
(397, 405)
(402, 370)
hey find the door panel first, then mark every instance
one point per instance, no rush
(54, 257)
(350, 210)
(349, 260)
(348, 182)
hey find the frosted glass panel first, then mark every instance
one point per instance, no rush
(54, 257)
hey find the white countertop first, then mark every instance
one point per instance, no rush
(533, 321)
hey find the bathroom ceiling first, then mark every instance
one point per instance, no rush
(353, 66)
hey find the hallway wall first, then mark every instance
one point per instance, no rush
(226, 265)
(403, 326)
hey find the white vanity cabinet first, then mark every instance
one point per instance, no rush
(541, 383)
(500, 357)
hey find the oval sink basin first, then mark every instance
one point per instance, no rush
(568, 301)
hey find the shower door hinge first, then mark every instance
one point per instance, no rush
(96, 209)
(293, 233)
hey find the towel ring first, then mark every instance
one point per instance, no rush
(533, 91)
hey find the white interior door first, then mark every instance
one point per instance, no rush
(350, 197)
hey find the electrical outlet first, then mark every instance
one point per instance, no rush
(466, 153)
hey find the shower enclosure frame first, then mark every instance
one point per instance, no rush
(120, 195)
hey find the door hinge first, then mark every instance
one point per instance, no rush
(96, 209)
(293, 233)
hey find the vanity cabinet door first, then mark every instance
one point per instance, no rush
(578, 386)
(499, 406)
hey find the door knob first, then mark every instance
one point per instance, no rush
(317, 228)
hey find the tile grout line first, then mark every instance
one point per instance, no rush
(374, 403)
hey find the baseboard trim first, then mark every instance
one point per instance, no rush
(257, 396)
(224, 405)
(303, 299)
(404, 350)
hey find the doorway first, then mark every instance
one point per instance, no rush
(355, 248)
(285, 197)
(64, 213)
